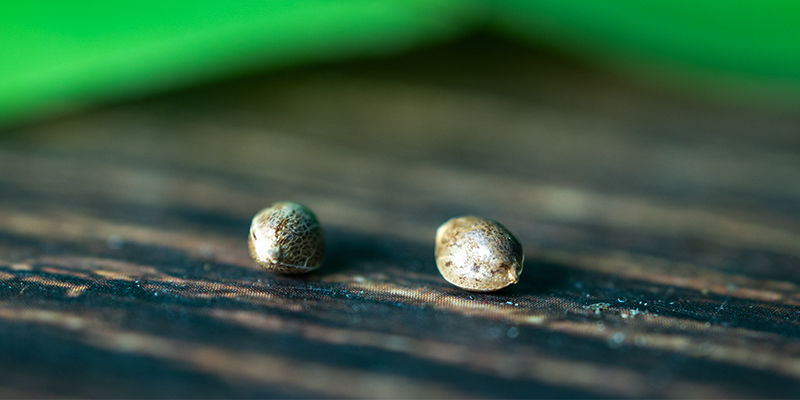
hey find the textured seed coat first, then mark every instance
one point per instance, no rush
(478, 254)
(286, 238)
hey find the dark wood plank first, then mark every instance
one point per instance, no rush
(661, 234)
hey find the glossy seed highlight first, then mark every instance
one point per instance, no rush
(287, 238)
(478, 254)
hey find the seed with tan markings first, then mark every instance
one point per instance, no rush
(478, 254)
(286, 238)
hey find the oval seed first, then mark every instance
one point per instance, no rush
(286, 238)
(478, 254)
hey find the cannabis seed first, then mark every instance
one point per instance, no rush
(286, 238)
(478, 254)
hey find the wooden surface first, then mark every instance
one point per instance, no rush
(661, 235)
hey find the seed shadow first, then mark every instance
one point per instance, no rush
(538, 277)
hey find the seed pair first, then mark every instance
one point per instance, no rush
(472, 253)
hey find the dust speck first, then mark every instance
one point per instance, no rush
(512, 332)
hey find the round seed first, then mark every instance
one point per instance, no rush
(286, 238)
(478, 254)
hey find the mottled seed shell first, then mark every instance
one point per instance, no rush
(478, 254)
(286, 238)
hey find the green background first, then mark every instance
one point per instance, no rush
(58, 55)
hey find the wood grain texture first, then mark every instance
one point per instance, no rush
(661, 233)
